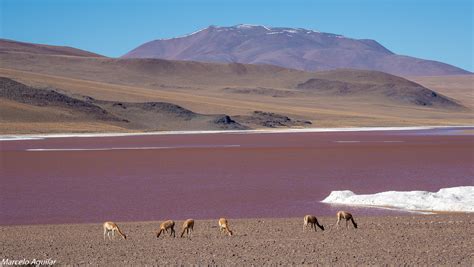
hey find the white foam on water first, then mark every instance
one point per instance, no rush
(453, 199)
(357, 141)
(19, 138)
(129, 148)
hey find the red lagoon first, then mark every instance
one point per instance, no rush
(155, 177)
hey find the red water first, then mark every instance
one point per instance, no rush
(200, 176)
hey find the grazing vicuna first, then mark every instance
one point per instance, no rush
(224, 226)
(188, 226)
(312, 221)
(346, 216)
(110, 228)
(164, 226)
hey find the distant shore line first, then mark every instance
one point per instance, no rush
(8, 137)
(353, 208)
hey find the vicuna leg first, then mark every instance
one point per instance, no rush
(319, 225)
(172, 232)
(190, 231)
(187, 231)
(353, 222)
(159, 233)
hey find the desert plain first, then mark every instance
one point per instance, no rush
(397, 240)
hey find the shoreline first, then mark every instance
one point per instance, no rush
(231, 218)
(9, 137)
(354, 208)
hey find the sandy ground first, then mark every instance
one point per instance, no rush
(414, 239)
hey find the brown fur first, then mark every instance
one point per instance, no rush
(346, 216)
(164, 226)
(188, 226)
(224, 226)
(312, 221)
(111, 227)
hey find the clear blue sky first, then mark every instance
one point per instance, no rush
(429, 29)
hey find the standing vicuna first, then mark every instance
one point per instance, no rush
(164, 226)
(312, 221)
(110, 228)
(188, 226)
(224, 226)
(346, 216)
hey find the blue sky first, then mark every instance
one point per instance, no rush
(429, 29)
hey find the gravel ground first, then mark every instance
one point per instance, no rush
(415, 240)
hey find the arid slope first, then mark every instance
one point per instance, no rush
(10, 46)
(327, 99)
(23, 104)
(460, 87)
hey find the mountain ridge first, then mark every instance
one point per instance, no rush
(12, 46)
(295, 48)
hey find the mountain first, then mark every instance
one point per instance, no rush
(10, 46)
(290, 48)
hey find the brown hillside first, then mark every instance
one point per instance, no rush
(10, 46)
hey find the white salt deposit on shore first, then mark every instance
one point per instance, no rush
(454, 199)
(303, 130)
